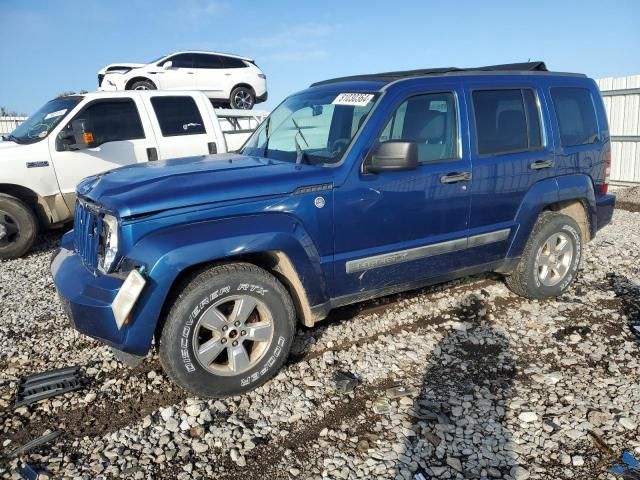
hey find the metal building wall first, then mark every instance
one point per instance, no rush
(622, 100)
(9, 124)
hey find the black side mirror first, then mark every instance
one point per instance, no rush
(393, 156)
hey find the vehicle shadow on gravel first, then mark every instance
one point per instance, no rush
(629, 294)
(466, 388)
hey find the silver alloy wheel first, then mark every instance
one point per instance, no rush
(233, 335)
(243, 100)
(141, 87)
(554, 258)
(8, 229)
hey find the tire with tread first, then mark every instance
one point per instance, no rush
(143, 85)
(523, 279)
(247, 93)
(216, 283)
(18, 216)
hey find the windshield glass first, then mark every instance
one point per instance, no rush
(38, 125)
(157, 59)
(312, 127)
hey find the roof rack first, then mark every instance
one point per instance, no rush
(388, 77)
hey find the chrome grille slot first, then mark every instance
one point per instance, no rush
(87, 228)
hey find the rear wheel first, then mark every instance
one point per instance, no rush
(228, 332)
(550, 260)
(18, 227)
(143, 85)
(242, 98)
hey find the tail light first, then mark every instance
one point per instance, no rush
(607, 171)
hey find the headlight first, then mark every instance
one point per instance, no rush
(108, 247)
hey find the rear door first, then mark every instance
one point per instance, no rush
(182, 126)
(122, 136)
(395, 228)
(511, 151)
(180, 75)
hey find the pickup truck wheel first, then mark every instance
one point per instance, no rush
(18, 227)
(550, 260)
(143, 85)
(229, 331)
(242, 98)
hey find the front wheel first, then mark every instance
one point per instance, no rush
(18, 227)
(143, 85)
(228, 332)
(242, 98)
(549, 263)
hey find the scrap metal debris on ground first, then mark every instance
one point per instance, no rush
(36, 442)
(49, 384)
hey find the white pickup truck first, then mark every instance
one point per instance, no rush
(72, 137)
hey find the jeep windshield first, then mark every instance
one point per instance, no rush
(38, 125)
(312, 127)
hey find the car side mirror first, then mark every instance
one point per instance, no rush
(393, 156)
(167, 64)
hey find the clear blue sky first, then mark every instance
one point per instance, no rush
(47, 47)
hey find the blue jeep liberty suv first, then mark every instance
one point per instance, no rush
(354, 188)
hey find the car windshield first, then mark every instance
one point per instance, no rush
(38, 125)
(157, 59)
(312, 127)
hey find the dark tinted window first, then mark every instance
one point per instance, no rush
(576, 115)
(177, 116)
(428, 120)
(201, 60)
(182, 60)
(230, 62)
(506, 121)
(113, 121)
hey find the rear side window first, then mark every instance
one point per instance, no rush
(506, 121)
(576, 115)
(201, 60)
(113, 121)
(428, 120)
(230, 62)
(178, 116)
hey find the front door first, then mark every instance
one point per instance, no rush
(211, 75)
(394, 228)
(179, 76)
(120, 139)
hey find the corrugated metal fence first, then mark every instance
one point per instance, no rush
(622, 100)
(8, 124)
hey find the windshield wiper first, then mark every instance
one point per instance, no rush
(265, 150)
(12, 138)
(301, 155)
(299, 131)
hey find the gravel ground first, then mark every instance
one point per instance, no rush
(628, 198)
(496, 386)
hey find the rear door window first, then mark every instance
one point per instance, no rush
(178, 115)
(202, 60)
(428, 120)
(113, 121)
(576, 115)
(506, 121)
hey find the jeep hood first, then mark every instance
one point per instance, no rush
(158, 186)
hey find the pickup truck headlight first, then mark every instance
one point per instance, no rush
(108, 246)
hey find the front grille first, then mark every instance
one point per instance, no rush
(87, 227)
(100, 78)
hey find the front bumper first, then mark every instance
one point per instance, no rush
(86, 297)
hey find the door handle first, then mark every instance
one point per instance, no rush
(213, 148)
(540, 164)
(228, 74)
(152, 154)
(189, 73)
(456, 177)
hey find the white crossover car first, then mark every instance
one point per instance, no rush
(226, 79)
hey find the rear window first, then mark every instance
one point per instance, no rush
(230, 62)
(576, 115)
(177, 116)
(506, 121)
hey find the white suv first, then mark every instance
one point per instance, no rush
(225, 79)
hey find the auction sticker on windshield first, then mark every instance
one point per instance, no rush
(57, 113)
(354, 99)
